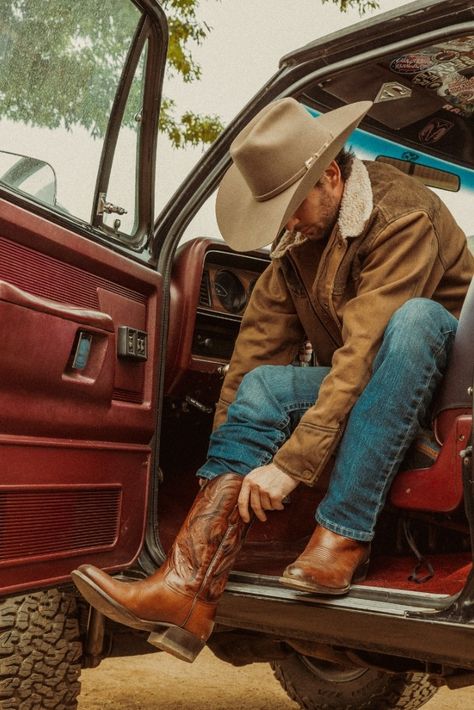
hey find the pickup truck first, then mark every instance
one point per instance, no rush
(116, 331)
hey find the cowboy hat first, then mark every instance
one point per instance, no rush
(277, 158)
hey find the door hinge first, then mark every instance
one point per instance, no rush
(108, 207)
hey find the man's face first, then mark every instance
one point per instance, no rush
(317, 214)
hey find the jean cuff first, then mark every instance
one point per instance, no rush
(358, 535)
(210, 472)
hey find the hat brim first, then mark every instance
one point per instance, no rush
(246, 223)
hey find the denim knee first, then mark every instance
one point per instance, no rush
(421, 314)
(280, 393)
(420, 321)
(256, 425)
(257, 393)
(255, 385)
(265, 382)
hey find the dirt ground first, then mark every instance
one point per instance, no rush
(161, 682)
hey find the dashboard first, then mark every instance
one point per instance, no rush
(226, 285)
(210, 289)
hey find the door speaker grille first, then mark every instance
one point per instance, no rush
(50, 522)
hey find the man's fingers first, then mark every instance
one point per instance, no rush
(264, 489)
(266, 501)
(243, 502)
(256, 504)
(277, 504)
(276, 501)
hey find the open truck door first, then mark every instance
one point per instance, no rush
(79, 300)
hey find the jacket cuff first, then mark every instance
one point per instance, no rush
(306, 453)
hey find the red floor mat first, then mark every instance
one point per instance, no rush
(450, 573)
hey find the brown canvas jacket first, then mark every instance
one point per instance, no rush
(394, 240)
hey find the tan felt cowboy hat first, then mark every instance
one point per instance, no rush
(278, 157)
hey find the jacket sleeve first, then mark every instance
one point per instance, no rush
(271, 333)
(397, 267)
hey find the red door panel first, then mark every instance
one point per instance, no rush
(95, 514)
(74, 443)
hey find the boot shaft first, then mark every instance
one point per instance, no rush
(208, 542)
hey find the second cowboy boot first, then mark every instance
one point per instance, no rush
(329, 564)
(177, 604)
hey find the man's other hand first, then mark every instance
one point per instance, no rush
(264, 488)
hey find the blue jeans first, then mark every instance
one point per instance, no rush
(384, 421)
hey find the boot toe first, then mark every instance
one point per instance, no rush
(329, 564)
(297, 578)
(308, 578)
(93, 573)
(100, 599)
(294, 571)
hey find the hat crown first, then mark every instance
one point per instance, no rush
(277, 147)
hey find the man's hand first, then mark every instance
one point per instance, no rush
(263, 489)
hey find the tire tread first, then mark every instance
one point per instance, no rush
(40, 652)
(382, 691)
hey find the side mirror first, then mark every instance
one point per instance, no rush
(32, 176)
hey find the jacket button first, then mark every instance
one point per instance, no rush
(307, 473)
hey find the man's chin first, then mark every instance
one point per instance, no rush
(316, 235)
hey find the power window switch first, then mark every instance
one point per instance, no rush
(132, 344)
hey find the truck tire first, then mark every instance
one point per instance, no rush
(40, 651)
(317, 685)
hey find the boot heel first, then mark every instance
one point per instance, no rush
(361, 572)
(177, 641)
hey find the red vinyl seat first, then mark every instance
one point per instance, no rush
(439, 487)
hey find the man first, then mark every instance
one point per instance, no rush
(373, 270)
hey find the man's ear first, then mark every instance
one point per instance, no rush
(332, 174)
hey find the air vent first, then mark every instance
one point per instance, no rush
(205, 290)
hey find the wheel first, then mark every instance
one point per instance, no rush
(40, 651)
(317, 685)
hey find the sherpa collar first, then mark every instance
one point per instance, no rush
(356, 206)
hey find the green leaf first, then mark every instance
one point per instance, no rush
(362, 5)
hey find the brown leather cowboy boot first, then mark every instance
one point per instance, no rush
(177, 603)
(329, 564)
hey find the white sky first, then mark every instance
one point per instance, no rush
(247, 40)
(239, 55)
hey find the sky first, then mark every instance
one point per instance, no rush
(239, 55)
(247, 40)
